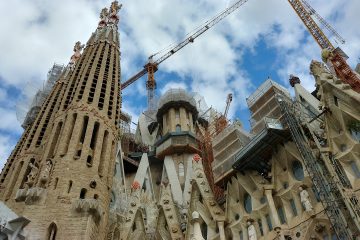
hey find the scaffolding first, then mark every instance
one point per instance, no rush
(206, 131)
(262, 104)
(225, 145)
(25, 112)
(325, 184)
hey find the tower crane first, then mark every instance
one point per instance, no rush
(221, 122)
(329, 53)
(228, 101)
(313, 12)
(152, 66)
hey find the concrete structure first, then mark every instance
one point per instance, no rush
(225, 146)
(263, 104)
(80, 172)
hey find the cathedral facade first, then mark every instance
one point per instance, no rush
(79, 172)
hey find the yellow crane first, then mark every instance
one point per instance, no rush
(152, 66)
(329, 52)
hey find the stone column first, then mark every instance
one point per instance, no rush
(264, 224)
(183, 119)
(172, 120)
(165, 124)
(197, 230)
(221, 230)
(268, 193)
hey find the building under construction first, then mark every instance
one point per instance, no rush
(80, 171)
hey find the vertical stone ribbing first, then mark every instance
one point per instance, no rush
(70, 148)
(73, 81)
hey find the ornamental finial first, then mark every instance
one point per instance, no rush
(294, 80)
(114, 9)
(103, 17)
(77, 54)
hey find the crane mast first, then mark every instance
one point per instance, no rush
(342, 69)
(221, 122)
(313, 12)
(228, 101)
(311, 25)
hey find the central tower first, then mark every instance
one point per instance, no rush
(60, 174)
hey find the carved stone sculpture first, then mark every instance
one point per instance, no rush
(45, 173)
(32, 175)
(197, 230)
(77, 54)
(114, 9)
(305, 200)
(251, 231)
(103, 17)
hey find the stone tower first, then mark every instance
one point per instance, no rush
(60, 173)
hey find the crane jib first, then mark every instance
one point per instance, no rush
(188, 40)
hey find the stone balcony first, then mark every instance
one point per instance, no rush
(176, 142)
(91, 206)
(29, 195)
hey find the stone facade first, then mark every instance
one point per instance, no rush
(75, 175)
(60, 173)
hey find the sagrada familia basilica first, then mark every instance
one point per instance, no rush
(79, 172)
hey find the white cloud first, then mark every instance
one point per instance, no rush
(173, 85)
(39, 33)
(6, 146)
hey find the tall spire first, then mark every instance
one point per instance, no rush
(107, 29)
(110, 17)
(65, 161)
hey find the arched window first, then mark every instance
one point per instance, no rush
(297, 170)
(355, 169)
(204, 229)
(69, 187)
(178, 128)
(268, 221)
(260, 227)
(82, 193)
(52, 230)
(181, 170)
(247, 203)
(56, 182)
(281, 214)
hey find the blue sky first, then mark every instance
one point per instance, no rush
(261, 39)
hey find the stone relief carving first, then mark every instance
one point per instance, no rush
(30, 179)
(305, 200)
(77, 54)
(114, 9)
(103, 17)
(45, 173)
(251, 231)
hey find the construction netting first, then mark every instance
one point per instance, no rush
(29, 104)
